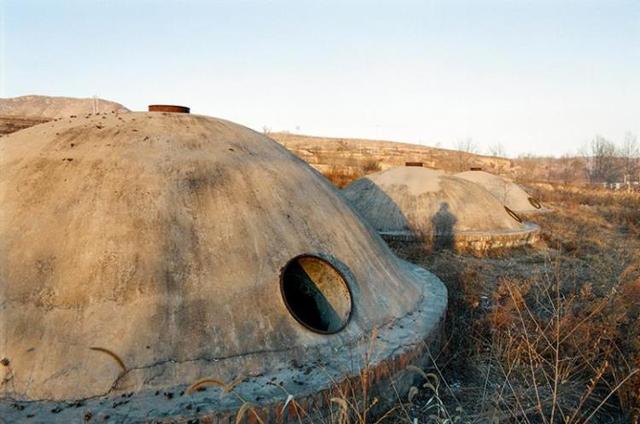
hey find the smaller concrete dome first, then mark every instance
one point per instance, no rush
(506, 191)
(414, 203)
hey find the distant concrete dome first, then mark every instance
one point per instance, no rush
(140, 253)
(413, 203)
(505, 190)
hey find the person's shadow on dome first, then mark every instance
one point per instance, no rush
(443, 223)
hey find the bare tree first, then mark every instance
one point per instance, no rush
(602, 161)
(630, 157)
(497, 150)
(467, 145)
(528, 164)
(571, 170)
(465, 149)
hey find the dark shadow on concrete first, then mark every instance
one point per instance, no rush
(376, 208)
(439, 236)
(443, 224)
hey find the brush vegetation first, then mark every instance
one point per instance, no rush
(543, 334)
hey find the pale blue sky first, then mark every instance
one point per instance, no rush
(537, 76)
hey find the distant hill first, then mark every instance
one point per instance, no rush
(55, 107)
(348, 157)
(21, 112)
(344, 159)
(355, 155)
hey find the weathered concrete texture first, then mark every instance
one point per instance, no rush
(420, 204)
(505, 190)
(160, 238)
(377, 360)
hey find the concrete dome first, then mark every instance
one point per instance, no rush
(144, 251)
(505, 190)
(424, 204)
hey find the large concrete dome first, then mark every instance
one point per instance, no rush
(144, 251)
(415, 203)
(505, 190)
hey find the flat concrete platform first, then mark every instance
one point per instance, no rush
(473, 240)
(534, 212)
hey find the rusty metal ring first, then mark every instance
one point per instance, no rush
(169, 108)
(513, 214)
(535, 203)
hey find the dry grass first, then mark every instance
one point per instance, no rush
(340, 176)
(620, 207)
(534, 335)
(547, 335)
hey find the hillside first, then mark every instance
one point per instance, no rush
(55, 107)
(351, 156)
(9, 124)
(344, 158)
(21, 112)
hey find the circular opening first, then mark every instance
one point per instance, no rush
(316, 294)
(513, 214)
(534, 202)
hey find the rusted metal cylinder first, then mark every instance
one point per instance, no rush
(413, 164)
(169, 108)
